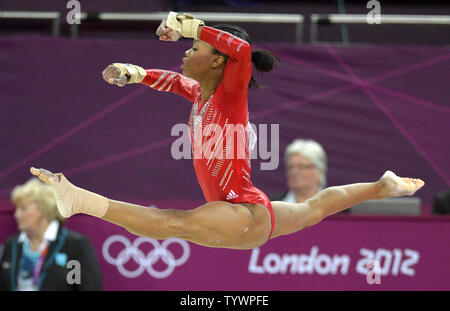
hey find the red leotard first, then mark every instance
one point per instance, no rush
(221, 160)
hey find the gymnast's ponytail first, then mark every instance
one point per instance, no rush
(264, 61)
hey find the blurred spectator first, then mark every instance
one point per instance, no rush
(441, 203)
(36, 258)
(306, 169)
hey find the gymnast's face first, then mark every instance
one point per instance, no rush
(200, 61)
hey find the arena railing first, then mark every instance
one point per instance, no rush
(295, 19)
(343, 19)
(53, 17)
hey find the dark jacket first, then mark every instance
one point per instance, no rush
(441, 203)
(68, 246)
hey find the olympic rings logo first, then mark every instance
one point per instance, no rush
(145, 262)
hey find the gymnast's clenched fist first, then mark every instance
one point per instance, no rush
(113, 75)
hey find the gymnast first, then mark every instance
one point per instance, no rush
(216, 76)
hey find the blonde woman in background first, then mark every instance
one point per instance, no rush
(306, 170)
(36, 257)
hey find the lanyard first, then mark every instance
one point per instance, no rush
(39, 263)
(13, 278)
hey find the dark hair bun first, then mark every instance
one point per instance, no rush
(264, 60)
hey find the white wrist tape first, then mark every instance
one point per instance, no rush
(186, 24)
(136, 73)
(72, 200)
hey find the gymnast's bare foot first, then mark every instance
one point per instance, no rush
(395, 186)
(46, 176)
(63, 190)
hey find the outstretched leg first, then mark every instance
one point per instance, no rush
(290, 217)
(214, 224)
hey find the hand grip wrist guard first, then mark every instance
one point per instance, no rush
(186, 24)
(135, 73)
